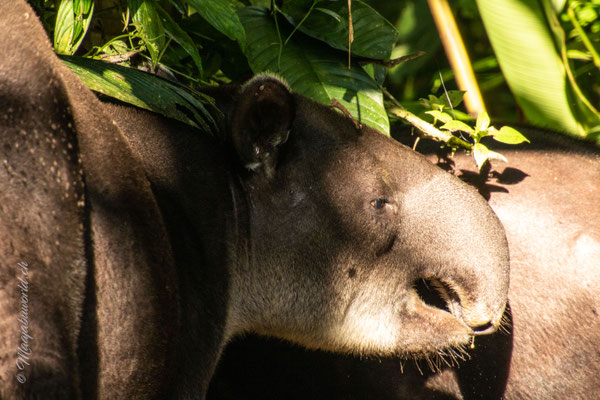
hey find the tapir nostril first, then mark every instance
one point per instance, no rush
(437, 293)
(429, 294)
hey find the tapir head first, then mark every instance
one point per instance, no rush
(344, 223)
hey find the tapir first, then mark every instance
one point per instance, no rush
(133, 248)
(547, 197)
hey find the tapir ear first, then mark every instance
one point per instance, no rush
(261, 122)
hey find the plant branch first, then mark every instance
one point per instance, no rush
(427, 129)
(582, 35)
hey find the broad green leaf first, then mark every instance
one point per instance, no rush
(72, 22)
(529, 54)
(222, 16)
(63, 30)
(145, 91)
(440, 116)
(509, 135)
(456, 125)
(480, 152)
(175, 32)
(374, 36)
(483, 122)
(312, 69)
(149, 26)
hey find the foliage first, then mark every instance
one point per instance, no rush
(144, 91)
(438, 108)
(550, 94)
(324, 50)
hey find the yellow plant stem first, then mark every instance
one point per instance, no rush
(457, 55)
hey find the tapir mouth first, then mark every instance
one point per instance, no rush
(444, 296)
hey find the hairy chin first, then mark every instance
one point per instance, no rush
(432, 334)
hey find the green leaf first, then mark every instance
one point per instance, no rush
(149, 26)
(312, 69)
(333, 14)
(480, 152)
(221, 14)
(579, 55)
(72, 22)
(175, 32)
(529, 53)
(455, 96)
(493, 156)
(440, 116)
(509, 135)
(456, 125)
(374, 36)
(145, 91)
(483, 122)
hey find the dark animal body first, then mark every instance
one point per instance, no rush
(134, 248)
(547, 198)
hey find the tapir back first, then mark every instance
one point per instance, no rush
(547, 198)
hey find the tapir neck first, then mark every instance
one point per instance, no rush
(205, 214)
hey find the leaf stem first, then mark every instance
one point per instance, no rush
(301, 22)
(582, 35)
(428, 130)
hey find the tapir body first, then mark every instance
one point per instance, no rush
(547, 198)
(133, 248)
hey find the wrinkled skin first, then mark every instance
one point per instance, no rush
(134, 248)
(547, 198)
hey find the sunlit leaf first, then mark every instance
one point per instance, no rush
(149, 26)
(312, 69)
(493, 156)
(72, 22)
(456, 125)
(440, 116)
(529, 54)
(480, 152)
(145, 91)
(483, 122)
(558, 5)
(509, 135)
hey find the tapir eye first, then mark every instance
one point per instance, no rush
(378, 203)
